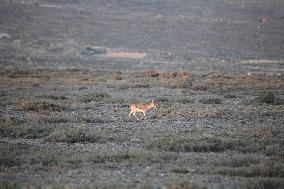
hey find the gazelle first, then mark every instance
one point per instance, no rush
(138, 107)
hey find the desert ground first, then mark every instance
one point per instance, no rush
(70, 69)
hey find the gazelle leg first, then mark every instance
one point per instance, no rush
(145, 115)
(130, 114)
(135, 115)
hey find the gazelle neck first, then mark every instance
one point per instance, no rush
(149, 106)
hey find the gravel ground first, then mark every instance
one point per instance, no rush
(70, 69)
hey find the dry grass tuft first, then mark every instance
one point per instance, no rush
(33, 117)
(186, 144)
(206, 111)
(39, 105)
(199, 87)
(62, 117)
(116, 76)
(162, 99)
(210, 101)
(73, 135)
(263, 169)
(183, 75)
(185, 101)
(8, 120)
(266, 131)
(269, 98)
(168, 74)
(176, 74)
(180, 170)
(176, 83)
(230, 96)
(151, 73)
(97, 97)
(182, 185)
(7, 184)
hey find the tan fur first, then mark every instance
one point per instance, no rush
(138, 107)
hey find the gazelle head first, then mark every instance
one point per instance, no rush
(153, 105)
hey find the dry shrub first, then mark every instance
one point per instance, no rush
(38, 106)
(185, 101)
(151, 73)
(182, 185)
(116, 76)
(18, 73)
(62, 117)
(266, 131)
(212, 75)
(210, 101)
(74, 135)
(140, 85)
(264, 182)
(263, 169)
(176, 83)
(168, 74)
(177, 74)
(269, 112)
(206, 111)
(180, 170)
(199, 87)
(162, 113)
(269, 98)
(183, 75)
(24, 131)
(9, 184)
(159, 114)
(229, 96)
(8, 120)
(189, 144)
(97, 97)
(162, 99)
(54, 97)
(33, 118)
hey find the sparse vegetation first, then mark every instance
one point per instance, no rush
(180, 170)
(64, 101)
(5, 184)
(269, 98)
(176, 74)
(256, 170)
(30, 105)
(74, 135)
(116, 76)
(150, 73)
(229, 96)
(185, 100)
(191, 133)
(96, 97)
(24, 131)
(162, 99)
(184, 144)
(54, 97)
(199, 87)
(210, 101)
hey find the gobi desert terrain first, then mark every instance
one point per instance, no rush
(69, 69)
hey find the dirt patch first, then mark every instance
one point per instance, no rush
(262, 61)
(125, 54)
